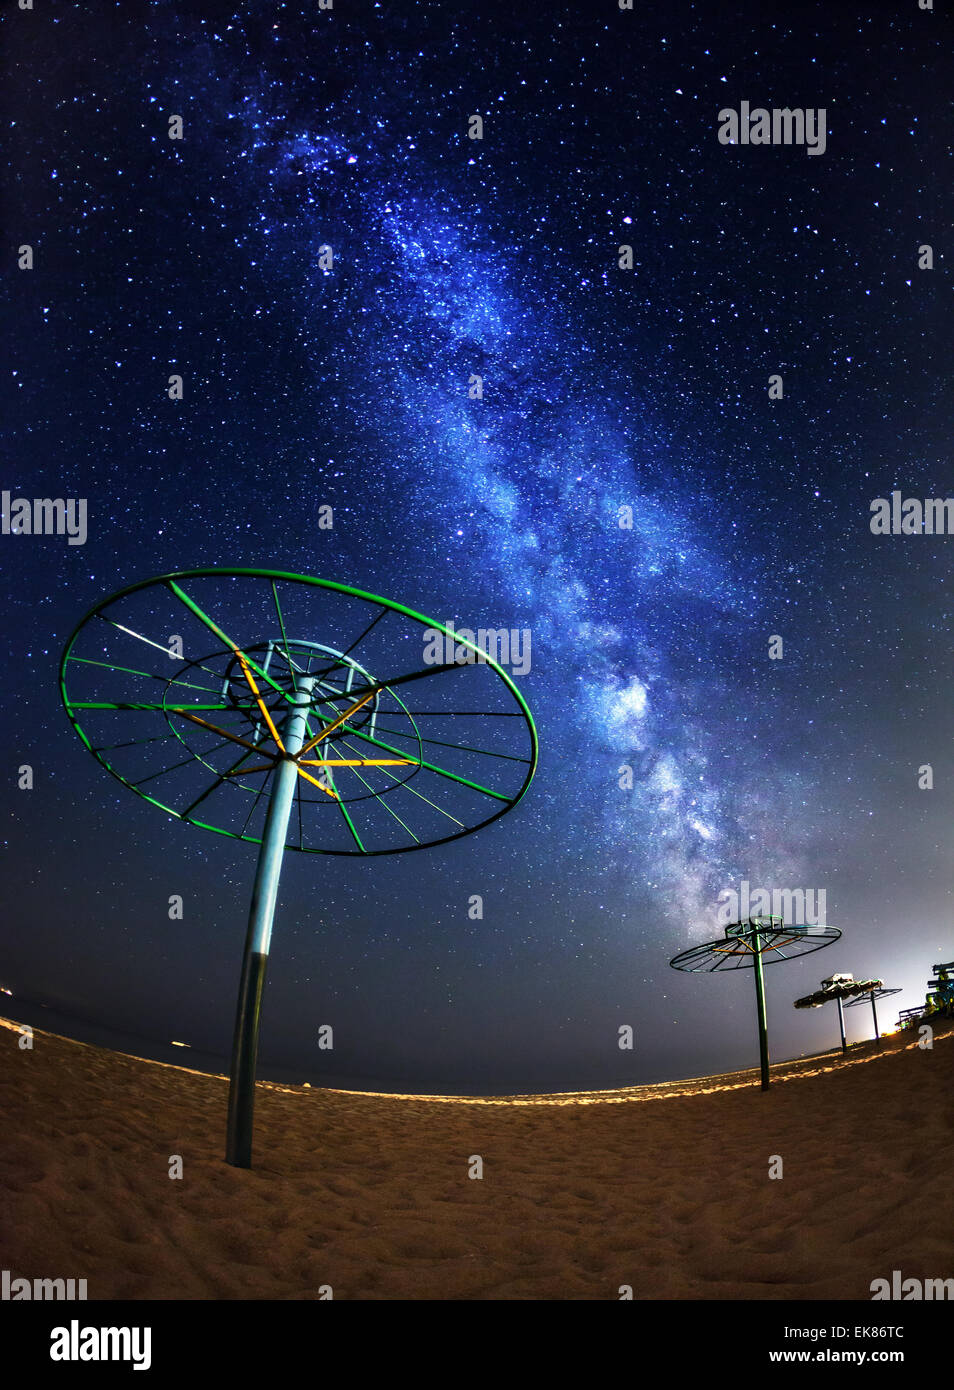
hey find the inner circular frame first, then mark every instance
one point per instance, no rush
(292, 644)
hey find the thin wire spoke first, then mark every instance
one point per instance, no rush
(133, 743)
(432, 767)
(251, 809)
(388, 807)
(150, 675)
(356, 643)
(406, 784)
(218, 783)
(140, 705)
(158, 645)
(281, 624)
(460, 747)
(195, 757)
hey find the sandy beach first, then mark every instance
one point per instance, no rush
(663, 1188)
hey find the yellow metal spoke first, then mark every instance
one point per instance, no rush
(207, 724)
(359, 762)
(307, 775)
(323, 733)
(259, 701)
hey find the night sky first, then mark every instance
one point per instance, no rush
(348, 386)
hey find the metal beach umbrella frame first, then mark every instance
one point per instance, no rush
(206, 693)
(838, 990)
(879, 992)
(750, 945)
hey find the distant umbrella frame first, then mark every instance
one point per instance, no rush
(848, 989)
(746, 946)
(881, 992)
(327, 734)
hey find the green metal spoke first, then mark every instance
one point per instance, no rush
(193, 607)
(344, 812)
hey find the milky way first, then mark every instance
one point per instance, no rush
(534, 475)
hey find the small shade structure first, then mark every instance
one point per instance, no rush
(749, 945)
(838, 988)
(878, 992)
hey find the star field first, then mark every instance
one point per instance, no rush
(350, 385)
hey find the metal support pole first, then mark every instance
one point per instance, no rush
(841, 1025)
(238, 1149)
(760, 1004)
(874, 1010)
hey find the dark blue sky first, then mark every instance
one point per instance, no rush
(306, 387)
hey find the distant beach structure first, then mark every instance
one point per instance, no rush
(938, 1001)
(746, 946)
(840, 987)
